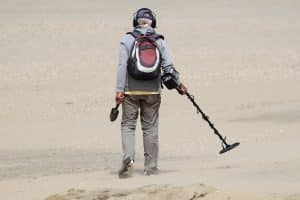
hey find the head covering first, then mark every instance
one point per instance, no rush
(144, 13)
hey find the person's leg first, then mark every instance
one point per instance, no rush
(130, 108)
(149, 121)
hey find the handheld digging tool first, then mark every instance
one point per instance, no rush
(114, 113)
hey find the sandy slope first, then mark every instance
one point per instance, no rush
(57, 75)
(157, 192)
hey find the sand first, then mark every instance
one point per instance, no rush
(240, 59)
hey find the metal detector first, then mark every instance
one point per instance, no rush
(170, 80)
(225, 146)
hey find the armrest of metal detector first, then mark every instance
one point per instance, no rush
(170, 80)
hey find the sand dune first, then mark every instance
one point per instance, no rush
(146, 192)
(167, 192)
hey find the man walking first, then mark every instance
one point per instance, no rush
(143, 54)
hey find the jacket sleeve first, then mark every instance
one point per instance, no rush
(122, 66)
(166, 63)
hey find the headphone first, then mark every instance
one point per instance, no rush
(144, 10)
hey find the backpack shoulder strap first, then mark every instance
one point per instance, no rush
(155, 36)
(134, 34)
(158, 36)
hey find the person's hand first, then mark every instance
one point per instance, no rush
(182, 89)
(119, 97)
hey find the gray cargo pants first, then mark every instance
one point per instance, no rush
(149, 114)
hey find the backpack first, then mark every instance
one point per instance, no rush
(144, 59)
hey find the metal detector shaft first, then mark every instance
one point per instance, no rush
(206, 118)
(225, 146)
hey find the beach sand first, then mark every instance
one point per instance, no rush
(240, 60)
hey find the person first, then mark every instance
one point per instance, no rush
(141, 95)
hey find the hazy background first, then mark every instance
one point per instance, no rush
(57, 84)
